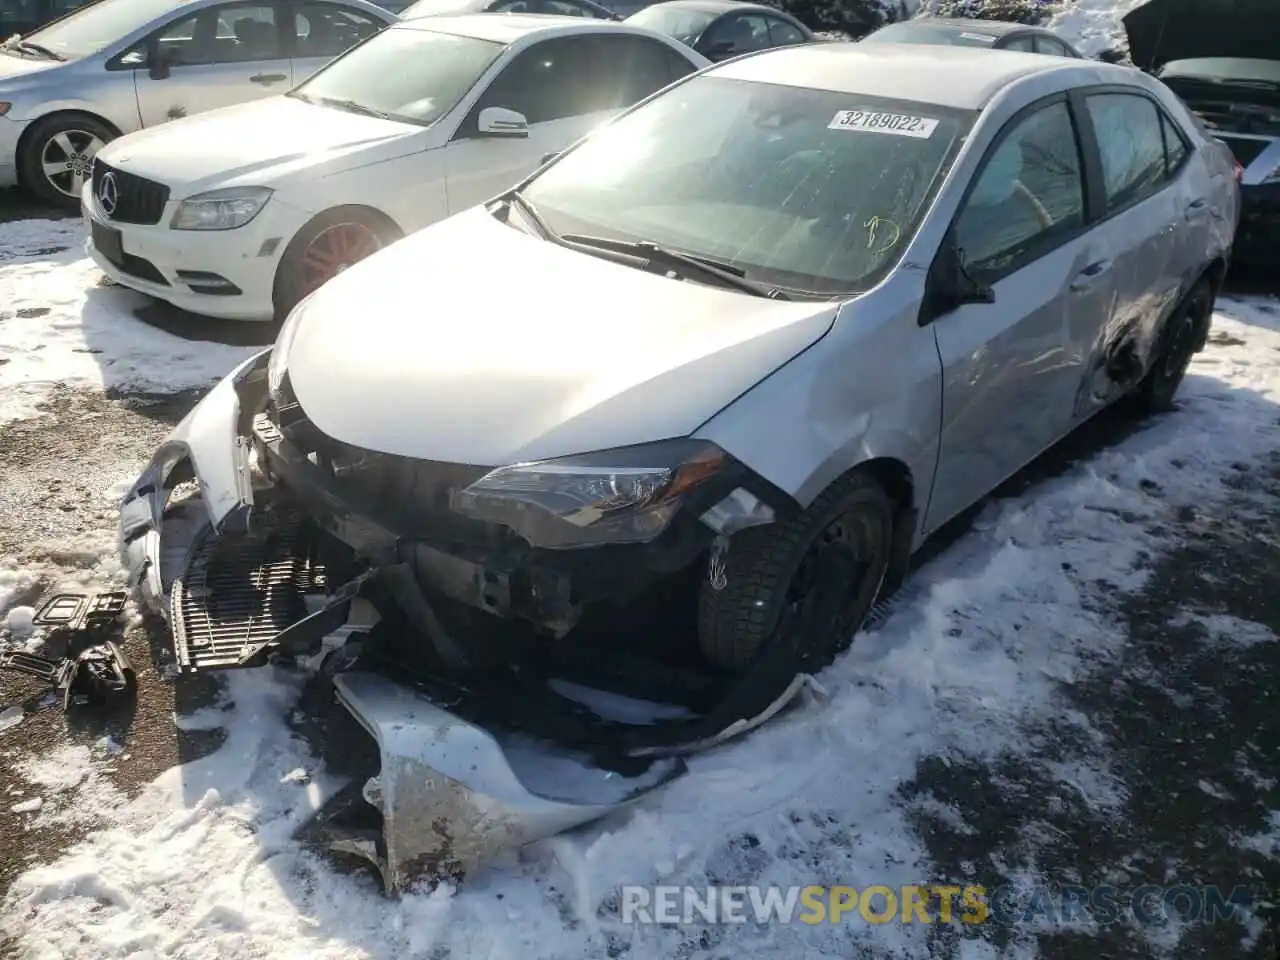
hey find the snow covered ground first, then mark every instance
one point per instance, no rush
(58, 326)
(203, 864)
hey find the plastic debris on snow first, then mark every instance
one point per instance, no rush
(10, 717)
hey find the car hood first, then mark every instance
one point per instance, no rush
(1164, 30)
(276, 138)
(474, 342)
(23, 70)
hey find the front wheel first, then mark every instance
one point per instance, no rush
(795, 593)
(325, 247)
(57, 157)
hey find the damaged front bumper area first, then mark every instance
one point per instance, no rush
(243, 544)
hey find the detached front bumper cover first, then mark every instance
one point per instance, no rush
(212, 442)
(452, 796)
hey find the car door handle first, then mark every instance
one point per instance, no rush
(1197, 208)
(1086, 277)
(267, 78)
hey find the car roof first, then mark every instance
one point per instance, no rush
(510, 27)
(712, 6)
(989, 28)
(965, 78)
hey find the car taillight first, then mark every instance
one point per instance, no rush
(1239, 172)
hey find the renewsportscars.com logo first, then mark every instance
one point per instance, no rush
(1147, 905)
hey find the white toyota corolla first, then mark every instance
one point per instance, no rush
(239, 213)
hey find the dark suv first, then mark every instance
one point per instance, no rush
(1225, 66)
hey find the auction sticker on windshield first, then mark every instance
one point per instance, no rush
(898, 124)
(980, 37)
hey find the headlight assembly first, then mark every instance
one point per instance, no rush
(220, 209)
(627, 495)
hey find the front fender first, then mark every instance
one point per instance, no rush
(123, 121)
(871, 389)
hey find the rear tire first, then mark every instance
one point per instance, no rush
(1182, 334)
(56, 156)
(833, 555)
(326, 246)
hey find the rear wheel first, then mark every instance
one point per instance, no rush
(57, 156)
(325, 247)
(1179, 340)
(796, 592)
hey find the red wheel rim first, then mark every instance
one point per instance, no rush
(334, 249)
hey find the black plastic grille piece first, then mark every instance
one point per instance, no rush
(137, 199)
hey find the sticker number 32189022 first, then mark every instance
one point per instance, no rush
(897, 124)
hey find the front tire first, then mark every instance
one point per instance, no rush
(57, 155)
(806, 584)
(326, 246)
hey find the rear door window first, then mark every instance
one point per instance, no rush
(628, 69)
(736, 35)
(783, 34)
(1051, 47)
(326, 30)
(1175, 145)
(1132, 142)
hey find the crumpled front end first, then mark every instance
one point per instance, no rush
(484, 741)
(210, 448)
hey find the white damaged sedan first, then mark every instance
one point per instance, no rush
(621, 456)
(239, 213)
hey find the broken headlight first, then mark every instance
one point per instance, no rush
(628, 495)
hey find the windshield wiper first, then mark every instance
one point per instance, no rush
(530, 212)
(28, 47)
(725, 274)
(352, 107)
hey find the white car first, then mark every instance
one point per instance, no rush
(240, 213)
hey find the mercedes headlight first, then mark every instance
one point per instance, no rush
(627, 495)
(220, 209)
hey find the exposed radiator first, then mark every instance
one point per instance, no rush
(238, 592)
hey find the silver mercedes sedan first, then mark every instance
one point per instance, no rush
(120, 65)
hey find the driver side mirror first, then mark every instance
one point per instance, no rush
(718, 49)
(1113, 55)
(160, 63)
(950, 285)
(501, 122)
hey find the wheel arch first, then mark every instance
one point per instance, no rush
(894, 475)
(24, 139)
(362, 210)
(1216, 273)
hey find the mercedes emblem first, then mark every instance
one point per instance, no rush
(108, 193)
